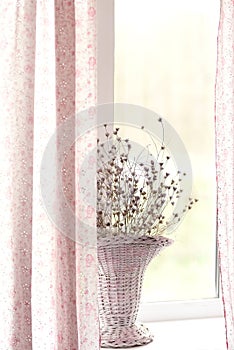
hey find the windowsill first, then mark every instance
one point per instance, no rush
(195, 334)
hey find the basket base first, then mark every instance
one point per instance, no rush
(126, 337)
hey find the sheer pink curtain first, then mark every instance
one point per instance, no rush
(48, 294)
(225, 160)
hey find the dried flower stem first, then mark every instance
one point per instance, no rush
(133, 194)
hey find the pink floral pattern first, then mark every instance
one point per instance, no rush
(225, 161)
(48, 295)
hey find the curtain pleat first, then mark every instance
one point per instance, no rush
(48, 294)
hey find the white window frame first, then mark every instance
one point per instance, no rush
(158, 311)
(180, 310)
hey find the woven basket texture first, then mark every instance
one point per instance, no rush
(122, 263)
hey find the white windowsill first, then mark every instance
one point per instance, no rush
(180, 310)
(195, 334)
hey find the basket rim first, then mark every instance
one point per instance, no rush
(127, 239)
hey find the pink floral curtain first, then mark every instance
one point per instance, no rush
(225, 161)
(48, 294)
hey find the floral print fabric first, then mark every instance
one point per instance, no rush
(225, 161)
(48, 295)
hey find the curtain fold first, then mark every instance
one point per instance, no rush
(48, 294)
(224, 124)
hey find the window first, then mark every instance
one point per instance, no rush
(162, 56)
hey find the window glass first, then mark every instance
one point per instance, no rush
(165, 58)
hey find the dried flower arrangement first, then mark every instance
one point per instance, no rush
(133, 195)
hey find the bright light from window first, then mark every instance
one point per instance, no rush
(165, 57)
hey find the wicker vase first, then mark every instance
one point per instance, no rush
(122, 263)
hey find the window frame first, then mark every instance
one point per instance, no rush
(149, 311)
